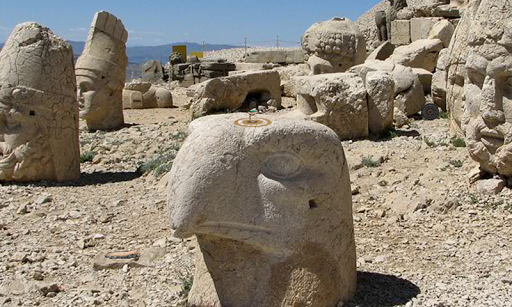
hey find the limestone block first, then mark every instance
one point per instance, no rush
(334, 46)
(442, 30)
(381, 95)
(421, 27)
(422, 53)
(337, 101)
(400, 32)
(230, 93)
(384, 51)
(271, 208)
(100, 73)
(38, 107)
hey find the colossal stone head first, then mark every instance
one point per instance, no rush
(271, 209)
(488, 88)
(334, 46)
(38, 109)
(100, 73)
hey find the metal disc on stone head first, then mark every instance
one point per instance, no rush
(430, 111)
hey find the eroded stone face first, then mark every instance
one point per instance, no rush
(488, 89)
(38, 109)
(100, 73)
(334, 46)
(271, 207)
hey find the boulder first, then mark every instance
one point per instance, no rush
(442, 30)
(422, 53)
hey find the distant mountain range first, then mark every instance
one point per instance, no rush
(138, 55)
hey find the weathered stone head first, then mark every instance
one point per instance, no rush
(488, 88)
(271, 209)
(38, 109)
(100, 73)
(334, 46)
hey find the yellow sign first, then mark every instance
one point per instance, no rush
(198, 54)
(181, 49)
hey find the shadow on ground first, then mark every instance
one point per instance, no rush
(105, 177)
(86, 179)
(379, 290)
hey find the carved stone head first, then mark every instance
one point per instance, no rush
(100, 73)
(334, 46)
(271, 208)
(38, 109)
(488, 88)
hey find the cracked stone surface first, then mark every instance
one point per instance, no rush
(38, 108)
(100, 73)
(268, 205)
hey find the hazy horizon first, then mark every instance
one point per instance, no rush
(152, 23)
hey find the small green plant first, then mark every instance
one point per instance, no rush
(456, 163)
(508, 207)
(161, 164)
(429, 142)
(443, 114)
(458, 142)
(390, 134)
(474, 199)
(179, 135)
(186, 284)
(87, 156)
(368, 161)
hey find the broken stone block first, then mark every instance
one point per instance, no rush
(337, 101)
(422, 53)
(442, 30)
(149, 257)
(381, 95)
(421, 27)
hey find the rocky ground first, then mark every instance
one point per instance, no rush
(424, 236)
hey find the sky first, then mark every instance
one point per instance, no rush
(159, 22)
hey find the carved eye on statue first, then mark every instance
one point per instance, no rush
(282, 165)
(84, 87)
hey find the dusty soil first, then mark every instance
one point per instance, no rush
(424, 236)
